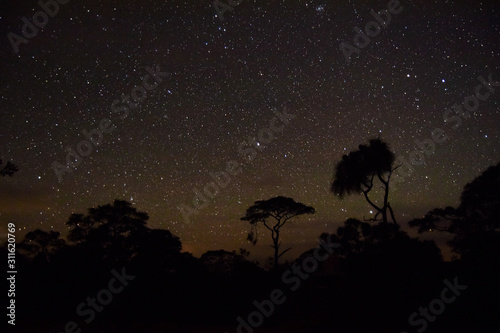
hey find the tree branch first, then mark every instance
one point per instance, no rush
(282, 253)
(265, 223)
(370, 202)
(381, 179)
(392, 213)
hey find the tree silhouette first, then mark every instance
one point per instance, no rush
(356, 172)
(82, 225)
(41, 245)
(8, 169)
(160, 248)
(476, 217)
(223, 263)
(353, 235)
(158, 254)
(160, 241)
(281, 210)
(116, 228)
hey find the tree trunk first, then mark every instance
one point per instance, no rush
(276, 247)
(392, 213)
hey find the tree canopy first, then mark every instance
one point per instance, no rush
(274, 213)
(116, 228)
(41, 245)
(476, 217)
(356, 172)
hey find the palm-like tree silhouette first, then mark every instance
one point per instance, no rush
(281, 210)
(356, 173)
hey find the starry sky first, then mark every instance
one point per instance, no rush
(226, 81)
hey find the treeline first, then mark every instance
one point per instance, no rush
(115, 274)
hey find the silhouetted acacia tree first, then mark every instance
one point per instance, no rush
(356, 172)
(475, 220)
(8, 169)
(274, 213)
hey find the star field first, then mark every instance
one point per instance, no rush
(225, 79)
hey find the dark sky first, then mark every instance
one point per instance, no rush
(225, 79)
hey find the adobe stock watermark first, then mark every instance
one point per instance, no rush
(372, 29)
(103, 298)
(221, 7)
(452, 115)
(40, 19)
(292, 279)
(12, 273)
(437, 306)
(248, 151)
(122, 107)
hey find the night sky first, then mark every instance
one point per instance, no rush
(227, 79)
